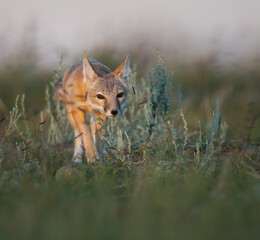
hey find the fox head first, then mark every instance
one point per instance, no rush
(107, 93)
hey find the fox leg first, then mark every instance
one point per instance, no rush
(93, 128)
(94, 133)
(98, 126)
(78, 148)
(90, 150)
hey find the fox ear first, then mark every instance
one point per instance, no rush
(123, 70)
(88, 72)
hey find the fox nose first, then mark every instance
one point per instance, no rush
(114, 112)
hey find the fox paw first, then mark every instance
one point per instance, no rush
(77, 159)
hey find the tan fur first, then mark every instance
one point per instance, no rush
(79, 89)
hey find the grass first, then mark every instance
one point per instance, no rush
(167, 175)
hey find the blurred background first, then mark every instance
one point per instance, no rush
(212, 47)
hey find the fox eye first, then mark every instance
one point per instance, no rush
(99, 96)
(119, 95)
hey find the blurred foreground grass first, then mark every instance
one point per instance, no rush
(166, 175)
(150, 203)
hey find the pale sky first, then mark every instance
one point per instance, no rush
(72, 27)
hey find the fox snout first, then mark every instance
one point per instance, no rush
(114, 112)
(113, 107)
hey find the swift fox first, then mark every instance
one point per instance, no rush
(91, 87)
